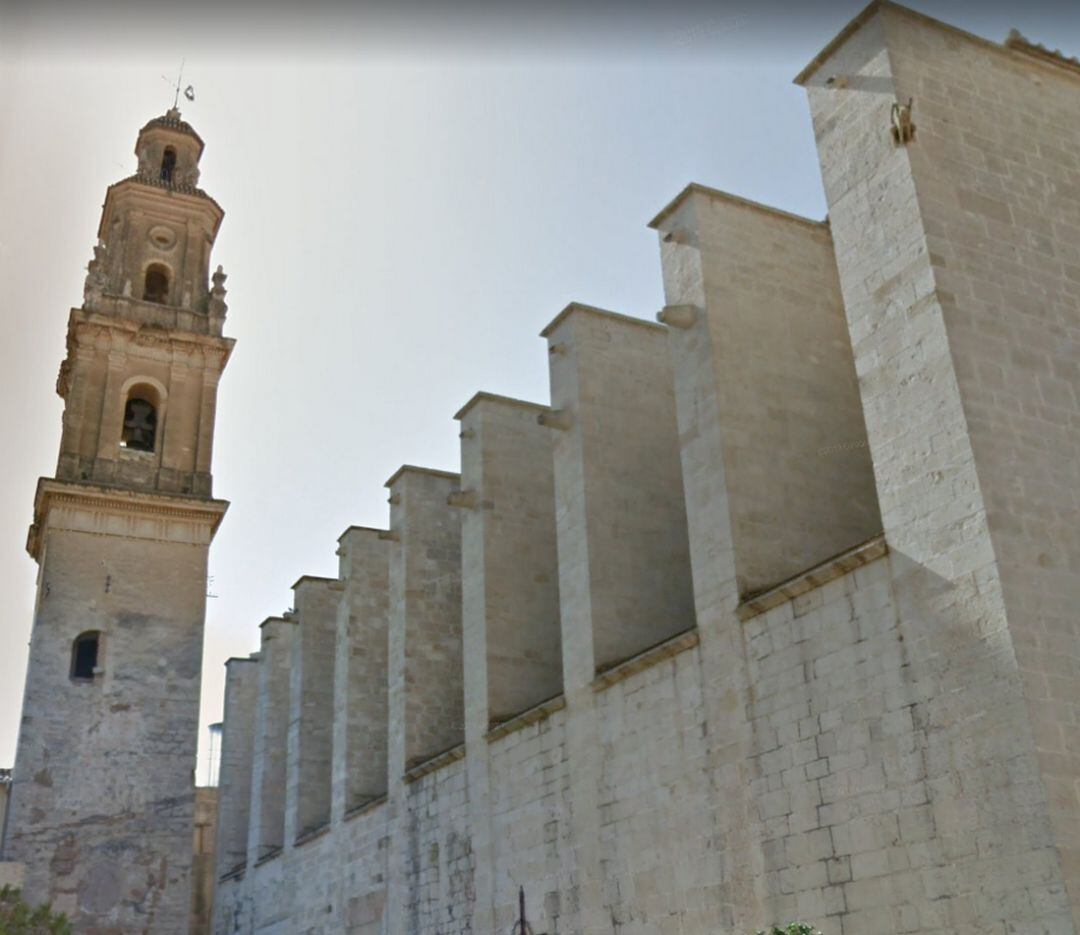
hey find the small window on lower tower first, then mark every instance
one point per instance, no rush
(84, 655)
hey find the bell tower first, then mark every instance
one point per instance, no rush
(102, 798)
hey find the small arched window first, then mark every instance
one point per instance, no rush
(168, 164)
(84, 655)
(140, 424)
(156, 287)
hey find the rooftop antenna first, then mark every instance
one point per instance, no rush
(189, 91)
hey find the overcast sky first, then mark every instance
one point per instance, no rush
(411, 193)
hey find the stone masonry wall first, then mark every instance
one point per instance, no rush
(311, 708)
(361, 674)
(796, 464)
(509, 555)
(620, 512)
(958, 303)
(96, 844)
(237, 755)
(878, 743)
(269, 773)
(997, 176)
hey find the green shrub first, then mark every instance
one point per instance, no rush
(17, 918)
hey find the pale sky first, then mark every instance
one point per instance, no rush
(409, 197)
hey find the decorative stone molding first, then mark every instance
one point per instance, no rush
(364, 807)
(835, 567)
(108, 511)
(533, 715)
(645, 660)
(437, 762)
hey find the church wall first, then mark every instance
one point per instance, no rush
(426, 694)
(269, 772)
(929, 300)
(361, 673)
(839, 779)
(997, 176)
(313, 881)
(203, 866)
(5, 782)
(436, 860)
(237, 758)
(527, 811)
(762, 286)
(623, 555)
(311, 708)
(874, 744)
(364, 855)
(839, 788)
(273, 899)
(510, 582)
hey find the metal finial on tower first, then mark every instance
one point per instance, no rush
(189, 91)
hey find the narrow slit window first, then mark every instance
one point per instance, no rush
(168, 164)
(84, 656)
(156, 287)
(140, 425)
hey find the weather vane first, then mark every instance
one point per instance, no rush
(189, 91)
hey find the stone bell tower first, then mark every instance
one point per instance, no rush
(103, 788)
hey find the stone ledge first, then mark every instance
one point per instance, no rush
(430, 765)
(815, 577)
(364, 807)
(695, 188)
(617, 317)
(681, 642)
(483, 396)
(1020, 43)
(532, 715)
(103, 510)
(236, 873)
(414, 469)
(269, 856)
(311, 834)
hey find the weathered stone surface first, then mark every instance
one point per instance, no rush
(102, 812)
(309, 779)
(811, 550)
(765, 348)
(236, 763)
(361, 676)
(203, 868)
